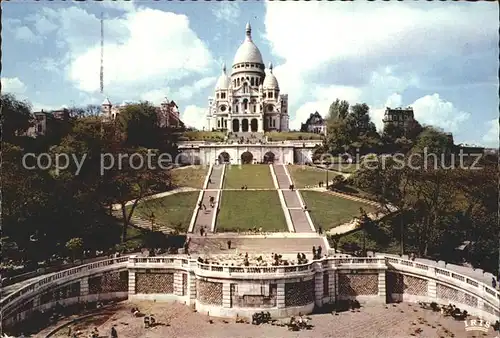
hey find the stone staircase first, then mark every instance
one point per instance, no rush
(300, 221)
(204, 218)
(218, 245)
(142, 223)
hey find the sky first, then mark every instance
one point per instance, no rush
(441, 58)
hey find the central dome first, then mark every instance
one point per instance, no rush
(248, 51)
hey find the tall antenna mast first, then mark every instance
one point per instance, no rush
(102, 54)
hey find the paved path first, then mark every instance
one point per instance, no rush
(293, 203)
(218, 244)
(205, 216)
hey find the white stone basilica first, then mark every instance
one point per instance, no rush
(248, 100)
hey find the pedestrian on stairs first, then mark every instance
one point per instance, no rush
(229, 244)
(201, 231)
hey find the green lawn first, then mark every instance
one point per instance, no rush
(174, 211)
(192, 176)
(202, 136)
(294, 135)
(303, 175)
(329, 211)
(243, 210)
(255, 176)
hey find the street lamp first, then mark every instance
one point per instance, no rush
(152, 217)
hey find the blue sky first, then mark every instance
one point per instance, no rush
(441, 58)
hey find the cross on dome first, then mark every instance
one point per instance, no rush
(271, 67)
(248, 31)
(224, 67)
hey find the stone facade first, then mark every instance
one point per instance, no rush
(283, 153)
(455, 296)
(357, 284)
(299, 293)
(209, 293)
(63, 292)
(162, 282)
(248, 100)
(404, 284)
(263, 299)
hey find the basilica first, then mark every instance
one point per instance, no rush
(249, 99)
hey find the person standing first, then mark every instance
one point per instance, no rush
(114, 334)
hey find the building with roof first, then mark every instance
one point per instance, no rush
(314, 124)
(167, 112)
(45, 122)
(248, 99)
(400, 117)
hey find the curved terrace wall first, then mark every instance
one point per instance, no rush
(224, 290)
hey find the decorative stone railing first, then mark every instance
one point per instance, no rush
(486, 295)
(467, 283)
(75, 272)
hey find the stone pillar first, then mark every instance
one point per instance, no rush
(84, 286)
(178, 289)
(280, 296)
(332, 292)
(191, 289)
(318, 288)
(431, 283)
(226, 295)
(381, 286)
(131, 282)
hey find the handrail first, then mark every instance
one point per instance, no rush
(57, 276)
(427, 270)
(449, 274)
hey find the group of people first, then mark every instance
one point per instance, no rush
(244, 187)
(301, 258)
(317, 252)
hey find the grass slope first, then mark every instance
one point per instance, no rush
(329, 211)
(243, 210)
(255, 176)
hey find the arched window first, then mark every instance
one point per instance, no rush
(238, 82)
(236, 108)
(252, 82)
(257, 81)
(218, 123)
(254, 108)
(245, 104)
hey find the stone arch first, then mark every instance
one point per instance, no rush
(247, 158)
(244, 125)
(224, 157)
(245, 104)
(236, 125)
(269, 157)
(254, 125)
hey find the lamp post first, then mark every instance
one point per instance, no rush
(327, 178)
(152, 221)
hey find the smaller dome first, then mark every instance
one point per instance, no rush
(270, 81)
(224, 81)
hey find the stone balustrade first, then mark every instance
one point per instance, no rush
(226, 290)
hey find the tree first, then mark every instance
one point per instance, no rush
(433, 141)
(338, 110)
(128, 180)
(88, 110)
(16, 117)
(139, 123)
(75, 247)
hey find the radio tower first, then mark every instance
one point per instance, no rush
(102, 55)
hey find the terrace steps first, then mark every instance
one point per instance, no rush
(300, 220)
(204, 217)
(213, 245)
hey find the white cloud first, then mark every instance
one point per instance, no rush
(187, 92)
(433, 110)
(323, 99)
(161, 48)
(490, 139)
(226, 11)
(382, 43)
(183, 93)
(12, 85)
(194, 116)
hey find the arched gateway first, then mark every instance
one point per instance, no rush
(224, 158)
(269, 157)
(246, 158)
